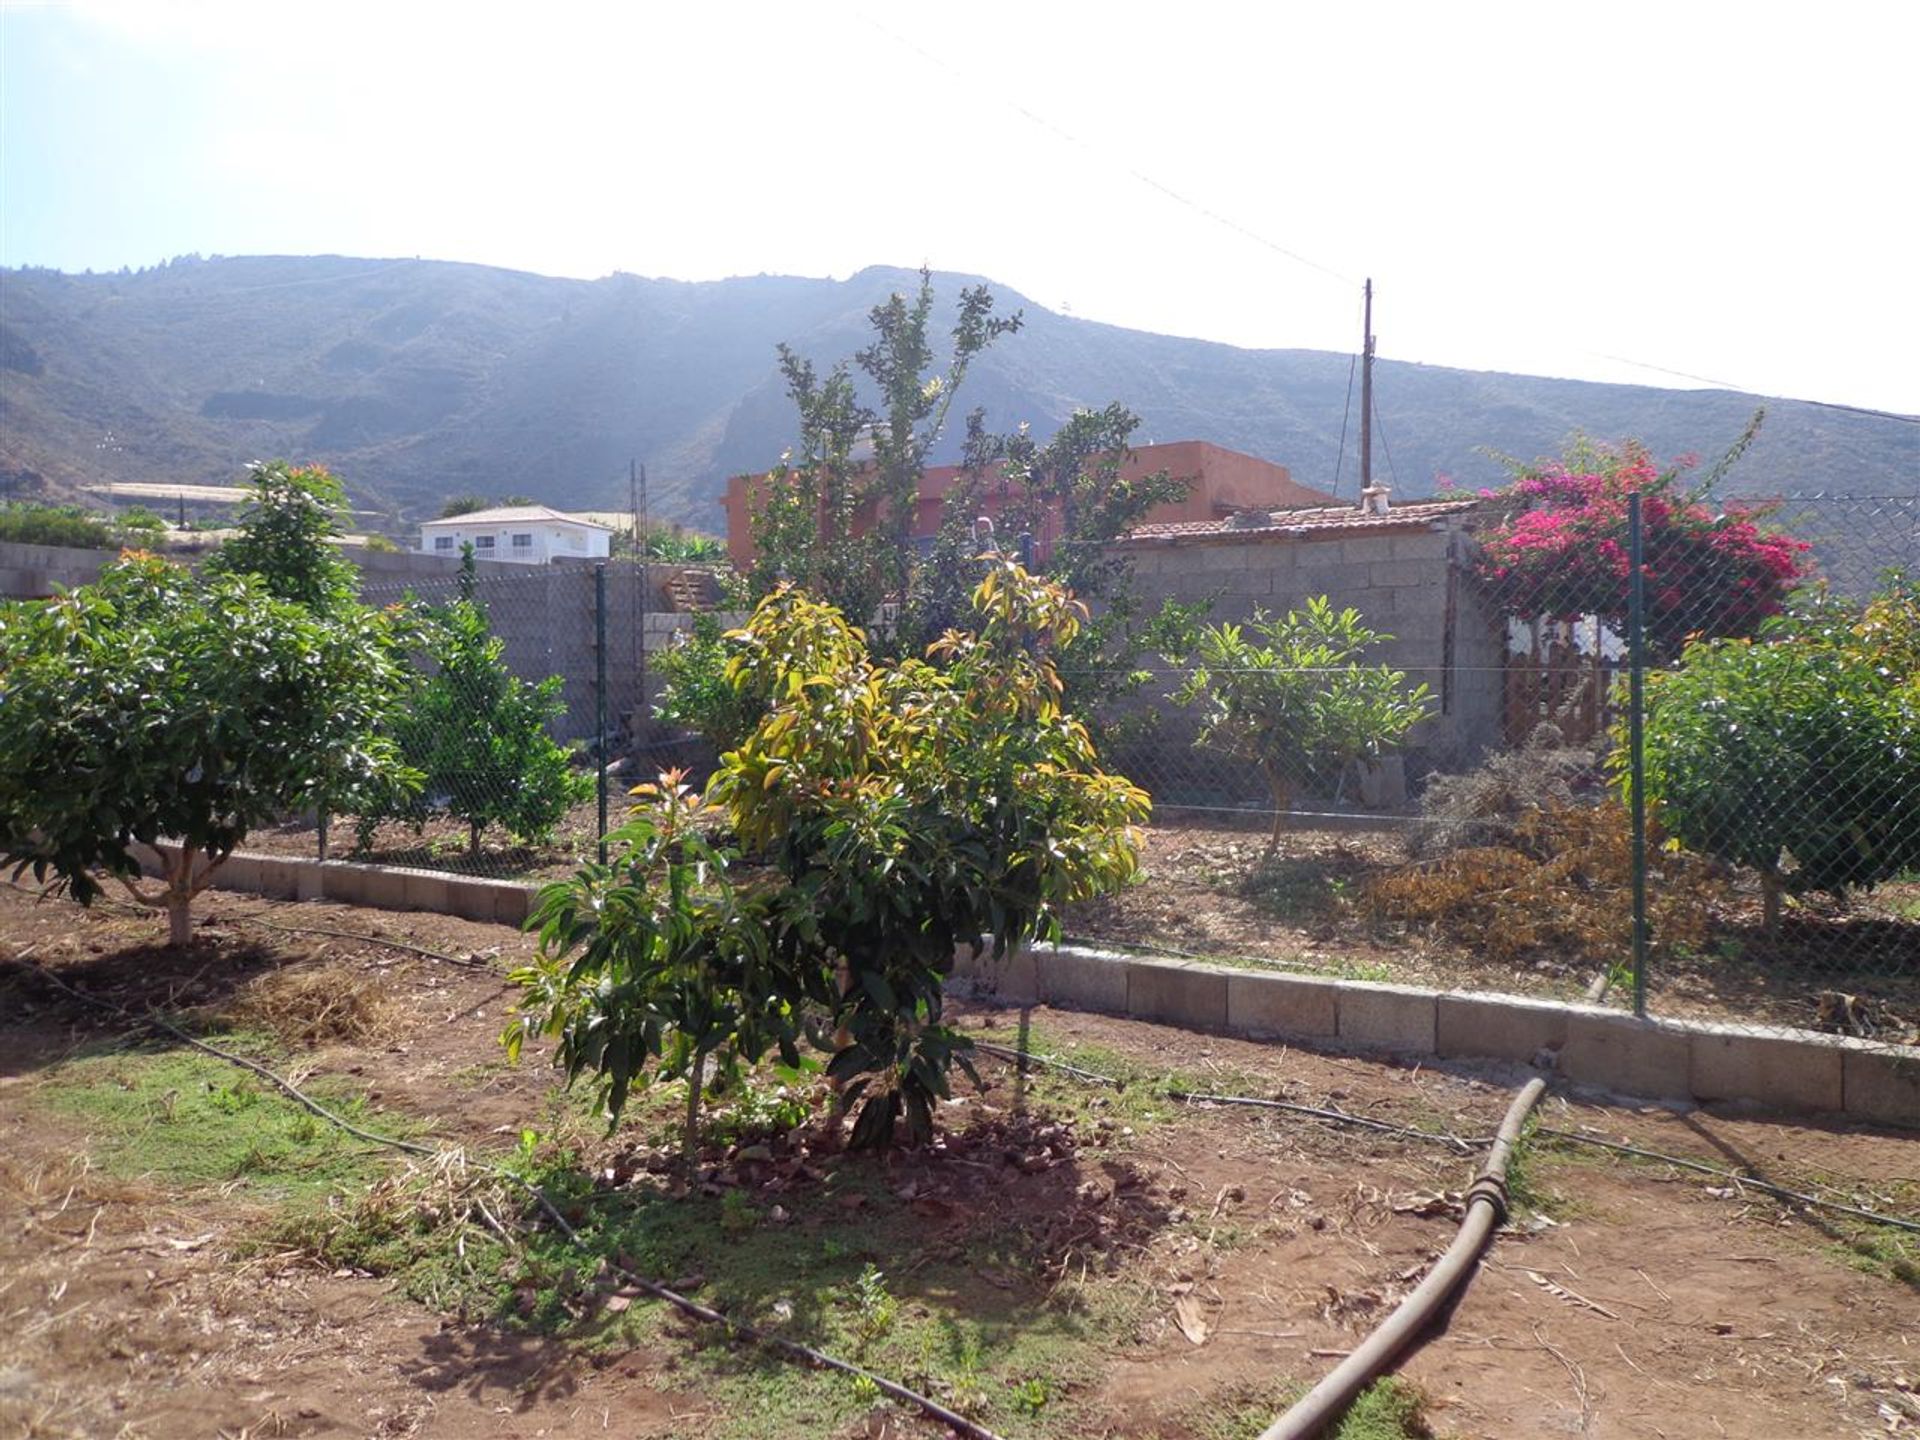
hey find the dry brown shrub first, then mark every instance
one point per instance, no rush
(314, 1006)
(1562, 888)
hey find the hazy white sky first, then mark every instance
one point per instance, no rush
(1720, 189)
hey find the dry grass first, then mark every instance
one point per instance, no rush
(314, 1006)
(1560, 884)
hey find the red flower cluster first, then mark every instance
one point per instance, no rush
(1564, 554)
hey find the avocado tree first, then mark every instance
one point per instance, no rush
(897, 809)
(155, 706)
(655, 964)
(1294, 699)
(915, 806)
(287, 528)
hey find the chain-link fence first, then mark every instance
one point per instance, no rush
(1770, 874)
(528, 720)
(1395, 746)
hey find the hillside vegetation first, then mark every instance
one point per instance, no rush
(419, 379)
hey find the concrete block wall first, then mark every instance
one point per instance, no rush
(1400, 583)
(1587, 1046)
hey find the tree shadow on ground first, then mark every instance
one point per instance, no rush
(138, 979)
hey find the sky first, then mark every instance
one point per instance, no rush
(1676, 193)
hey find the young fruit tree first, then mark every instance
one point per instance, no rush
(1290, 695)
(155, 706)
(655, 965)
(1796, 754)
(898, 810)
(479, 735)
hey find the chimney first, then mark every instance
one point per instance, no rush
(1373, 499)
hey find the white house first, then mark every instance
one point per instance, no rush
(523, 534)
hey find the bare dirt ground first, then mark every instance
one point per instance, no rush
(1228, 1251)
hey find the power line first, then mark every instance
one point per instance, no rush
(1381, 427)
(972, 82)
(1345, 411)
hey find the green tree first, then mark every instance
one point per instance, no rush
(1293, 698)
(288, 525)
(656, 964)
(833, 519)
(480, 735)
(1796, 755)
(914, 806)
(898, 811)
(152, 705)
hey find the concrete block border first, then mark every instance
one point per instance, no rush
(1592, 1047)
(378, 887)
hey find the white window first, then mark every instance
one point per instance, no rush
(483, 542)
(443, 542)
(523, 542)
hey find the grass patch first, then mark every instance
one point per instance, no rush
(1388, 1409)
(1883, 1253)
(1140, 1097)
(964, 1313)
(190, 1120)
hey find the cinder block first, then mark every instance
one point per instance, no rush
(239, 871)
(376, 886)
(309, 879)
(426, 891)
(1776, 1070)
(1270, 1004)
(279, 879)
(512, 904)
(1387, 1017)
(1497, 1027)
(1083, 980)
(1609, 1050)
(1217, 559)
(1881, 1084)
(1427, 545)
(1014, 976)
(1176, 992)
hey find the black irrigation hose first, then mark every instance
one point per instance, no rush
(1342, 1117)
(1026, 1057)
(1486, 1209)
(817, 1359)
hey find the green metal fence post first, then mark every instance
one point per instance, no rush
(600, 699)
(1636, 755)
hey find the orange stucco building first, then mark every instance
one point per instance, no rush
(1222, 482)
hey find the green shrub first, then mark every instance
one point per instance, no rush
(66, 525)
(1796, 755)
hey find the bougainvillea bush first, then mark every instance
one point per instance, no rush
(1710, 570)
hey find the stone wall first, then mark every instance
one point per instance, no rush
(543, 613)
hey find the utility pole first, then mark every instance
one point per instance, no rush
(637, 495)
(1366, 402)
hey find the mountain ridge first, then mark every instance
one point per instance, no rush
(418, 379)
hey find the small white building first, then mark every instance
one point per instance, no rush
(522, 534)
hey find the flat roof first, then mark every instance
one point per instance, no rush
(514, 514)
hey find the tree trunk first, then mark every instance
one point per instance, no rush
(690, 1138)
(473, 839)
(179, 917)
(322, 823)
(1277, 785)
